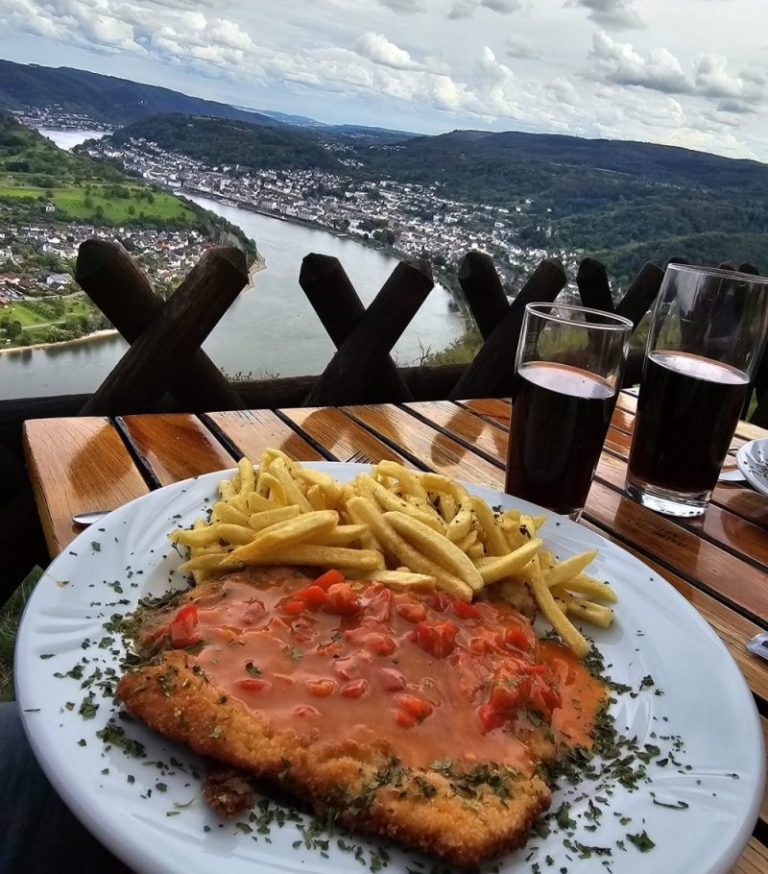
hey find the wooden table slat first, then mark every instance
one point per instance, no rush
(253, 431)
(77, 464)
(176, 446)
(340, 436)
(432, 449)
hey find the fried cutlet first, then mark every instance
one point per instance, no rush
(411, 716)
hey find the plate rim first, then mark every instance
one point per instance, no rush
(759, 484)
(131, 850)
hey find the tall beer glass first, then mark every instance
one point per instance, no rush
(569, 365)
(706, 338)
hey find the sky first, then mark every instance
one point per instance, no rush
(691, 73)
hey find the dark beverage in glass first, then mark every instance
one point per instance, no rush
(568, 371)
(705, 340)
(685, 395)
(560, 413)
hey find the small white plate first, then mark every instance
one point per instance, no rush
(752, 459)
(148, 810)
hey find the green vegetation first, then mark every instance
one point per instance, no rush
(233, 142)
(10, 615)
(101, 205)
(35, 173)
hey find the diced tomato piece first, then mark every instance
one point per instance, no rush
(294, 607)
(254, 684)
(418, 707)
(405, 719)
(300, 637)
(518, 638)
(183, 625)
(313, 595)
(544, 697)
(354, 689)
(465, 610)
(437, 638)
(306, 710)
(392, 680)
(379, 644)
(412, 611)
(341, 599)
(439, 601)
(508, 695)
(327, 579)
(321, 688)
(489, 718)
(331, 648)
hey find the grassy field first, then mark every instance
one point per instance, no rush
(77, 203)
(19, 312)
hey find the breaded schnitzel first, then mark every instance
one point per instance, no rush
(418, 717)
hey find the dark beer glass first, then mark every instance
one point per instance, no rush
(705, 340)
(568, 371)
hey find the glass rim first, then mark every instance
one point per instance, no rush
(613, 322)
(721, 272)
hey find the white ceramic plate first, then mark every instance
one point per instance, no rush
(752, 459)
(705, 702)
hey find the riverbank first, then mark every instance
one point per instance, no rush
(94, 335)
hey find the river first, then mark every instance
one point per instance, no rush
(271, 329)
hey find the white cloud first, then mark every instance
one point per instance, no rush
(612, 14)
(620, 63)
(660, 70)
(377, 48)
(467, 8)
(408, 7)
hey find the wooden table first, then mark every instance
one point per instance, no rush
(718, 562)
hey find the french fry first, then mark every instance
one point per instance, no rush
(283, 534)
(447, 505)
(391, 502)
(366, 511)
(207, 562)
(247, 476)
(255, 503)
(316, 497)
(438, 549)
(460, 525)
(584, 610)
(399, 580)
(291, 491)
(495, 542)
(210, 533)
(407, 477)
(494, 569)
(223, 511)
(269, 483)
(583, 584)
(260, 521)
(311, 555)
(570, 567)
(553, 613)
(226, 489)
(342, 535)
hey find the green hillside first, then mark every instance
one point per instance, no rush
(102, 98)
(35, 175)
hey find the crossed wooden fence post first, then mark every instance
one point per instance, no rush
(165, 337)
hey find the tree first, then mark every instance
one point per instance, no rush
(14, 329)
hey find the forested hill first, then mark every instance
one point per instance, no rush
(621, 202)
(220, 141)
(102, 98)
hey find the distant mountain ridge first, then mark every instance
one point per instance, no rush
(104, 98)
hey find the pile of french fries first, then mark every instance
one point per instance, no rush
(404, 528)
